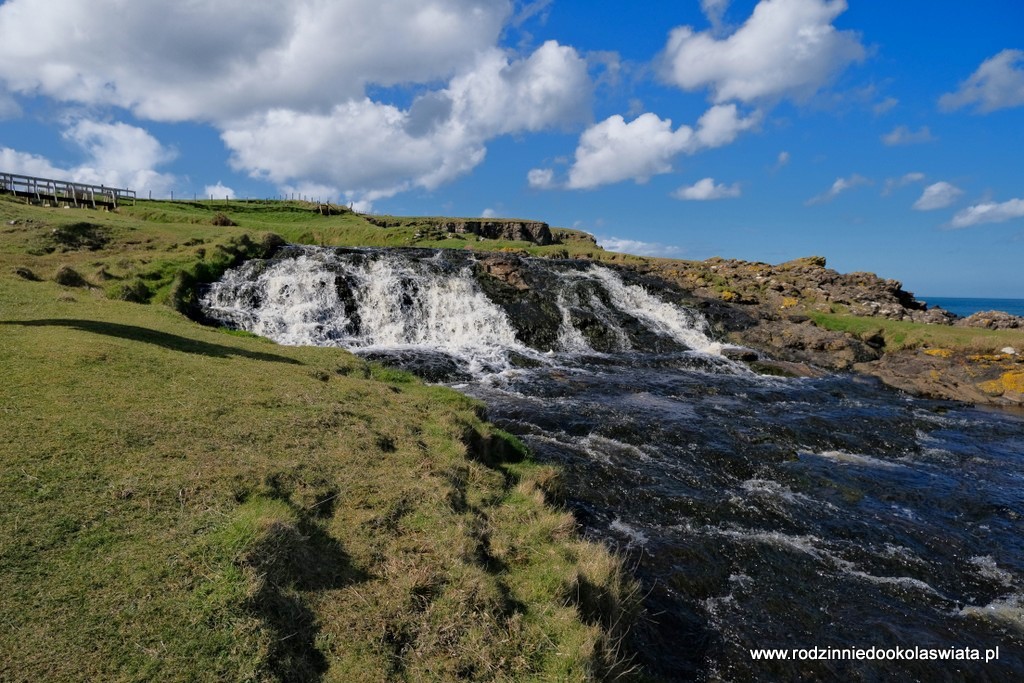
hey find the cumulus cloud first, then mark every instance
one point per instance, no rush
(287, 82)
(989, 212)
(488, 213)
(902, 135)
(997, 84)
(372, 150)
(225, 58)
(117, 155)
(838, 187)
(937, 196)
(627, 246)
(23, 163)
(706, 189)
(614, 150)
(219, 190)
(787, 48)
(541, 178)
(892, 184)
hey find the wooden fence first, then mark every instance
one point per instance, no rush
(64, 192)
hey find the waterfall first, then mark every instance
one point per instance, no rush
(373, 300)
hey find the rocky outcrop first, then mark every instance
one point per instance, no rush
(798, 340)
(803, 283)
(953, 375)
(992, 320)
(488, 228)
(518, 231)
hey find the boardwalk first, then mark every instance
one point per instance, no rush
(63, 192)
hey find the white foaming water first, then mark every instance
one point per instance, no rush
(1008, 610)
(988, 568)
(570, 339)
(395, 303)
(662, 317)
(773, 489)
(636, 536)
(855, 459)
(387, 301)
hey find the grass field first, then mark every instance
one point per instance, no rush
(179, 503)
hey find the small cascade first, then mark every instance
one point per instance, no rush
(430, 301)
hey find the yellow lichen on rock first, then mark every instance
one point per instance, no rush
(939, 353)
(1007, 382)
(789, 302)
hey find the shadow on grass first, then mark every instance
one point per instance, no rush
(143, 334)
(310, 561)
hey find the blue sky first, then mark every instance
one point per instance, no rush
(887, 137)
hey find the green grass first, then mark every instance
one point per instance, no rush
(182, 503)
(908, 335)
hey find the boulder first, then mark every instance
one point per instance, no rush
(993, 320)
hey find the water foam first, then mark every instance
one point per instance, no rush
(377, 300)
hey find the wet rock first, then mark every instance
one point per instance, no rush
(801, 343)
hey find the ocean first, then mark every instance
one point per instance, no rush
(966, 306)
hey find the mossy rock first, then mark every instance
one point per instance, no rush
(69, 277)
(26, 274)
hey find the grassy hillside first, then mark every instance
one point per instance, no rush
(181, 503)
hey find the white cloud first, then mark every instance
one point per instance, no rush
(13, 161)
(637, 247)
(989, 212)
(706, 189)
(937, 196)
(541, 178)
(117, 155)
(488, 213)
(372, 150)
(892, 184)
(782, 160)
(714, 10)
(286, 81)
(997, 84)
(613, 150)
(219, 190)
(885, 105)
(838, 187)
(223, 59)
(787, 48)
(721, 124)
(902, 135)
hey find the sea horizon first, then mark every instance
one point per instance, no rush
(965, 306)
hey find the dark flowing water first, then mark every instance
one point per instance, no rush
(758, 512)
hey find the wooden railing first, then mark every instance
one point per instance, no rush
(64, 191)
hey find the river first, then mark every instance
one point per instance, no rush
(757, 511)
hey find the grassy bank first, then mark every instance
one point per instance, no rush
(899, 335)
(180, 503)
